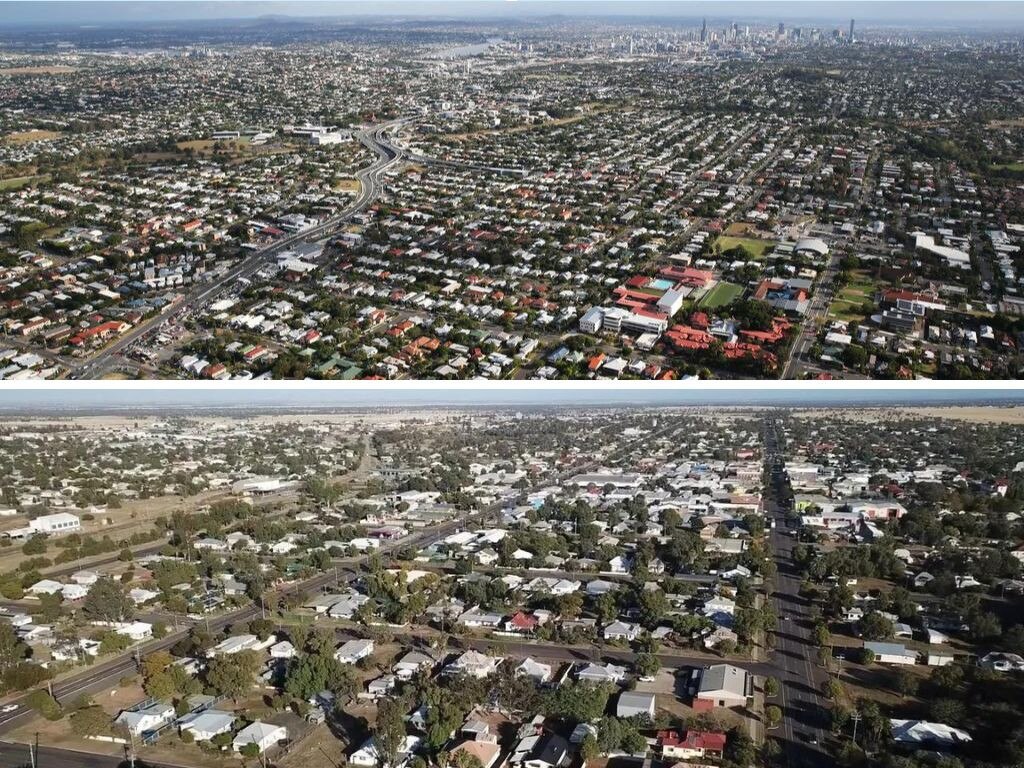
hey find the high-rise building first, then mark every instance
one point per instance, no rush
(851, 31)
(704, 31)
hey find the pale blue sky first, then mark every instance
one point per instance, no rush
(973, 13)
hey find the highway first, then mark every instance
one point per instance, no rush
(374, 138)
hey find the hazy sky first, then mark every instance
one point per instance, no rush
(63, 399)
(105, 12)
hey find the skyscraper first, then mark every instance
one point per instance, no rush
(851, 30)
(704, 31)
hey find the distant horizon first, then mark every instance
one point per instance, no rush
(110, 13)
(63, 401)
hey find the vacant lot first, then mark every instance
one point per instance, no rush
(848, 302)
(720, 295)
(18, 182)
(25, 137)
(52, 70)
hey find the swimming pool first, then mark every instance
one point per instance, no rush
(661, 284)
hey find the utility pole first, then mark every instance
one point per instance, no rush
(856, 719)
(131, 749)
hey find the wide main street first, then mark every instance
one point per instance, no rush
(804, 725)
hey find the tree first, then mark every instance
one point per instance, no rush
(647, 665)
(985, 626)
(12, 649)
(35, 546)
(633, 741)
(262, 628)
(772, 716)
(114, 642)
(833, 689)
(948, 711)
(250, 750)
(389, 731)
(579, 702)
(874, 626)
(309, 674)
(159, 686)
(106, 601)
(588, 747)
(821, 636)
(155, 663)
(91, 721)
(232, 675)
(905, 683)
(771, 686)
(464, 759)
(43, 703)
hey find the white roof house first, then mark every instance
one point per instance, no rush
(927, 735)
(535, 669)
(206, 725)
(282, 650)
(474, 664)
(366, 755)
(148, 719)
(85, 578)
(73, 591)
(234, 644)
(45, 587)
(353, 651)
(263, 735)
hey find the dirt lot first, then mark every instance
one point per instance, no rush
(321, 749)
(53, 70)
(24, 137)
(983, 415)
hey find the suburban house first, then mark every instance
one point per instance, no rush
(149, 719)
(891, 653)
(353, 651)
(602, 673)
(367, 757)
(696, 744)
(474, 664)
(407, 666)
(622, 630)
(263, 735)
(205, 725)
(486, 752)
(541, 673)
(929, 736)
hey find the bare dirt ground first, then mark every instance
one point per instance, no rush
(976, 414)
(321, 749)
(52, 70)
(24, 137)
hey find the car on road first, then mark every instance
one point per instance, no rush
(7, 708)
